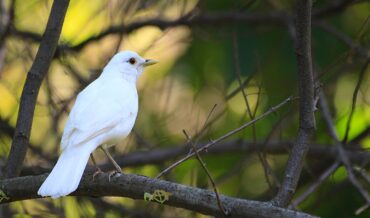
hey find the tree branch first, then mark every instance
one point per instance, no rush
(213, 142)
(306, 104)
(341, 153)
(333, 7)
(134, 186)
(361, 136)
(343, 38)
(219, 202)
(31, 88)
(160, 156)
(354, 100)
(191, 21)
(204, 19)
(312, 188)
(6, 20)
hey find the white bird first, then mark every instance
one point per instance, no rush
(104, 113)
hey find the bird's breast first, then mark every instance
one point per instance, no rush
(127, 100)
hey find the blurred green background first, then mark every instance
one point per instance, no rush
(198, 69)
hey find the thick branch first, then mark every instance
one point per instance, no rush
(306, 104)
(32, 85)
(134, 186)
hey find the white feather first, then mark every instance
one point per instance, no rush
(67, 173)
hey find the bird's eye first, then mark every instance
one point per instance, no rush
(132, 61)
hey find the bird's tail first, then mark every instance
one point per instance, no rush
(66, 174)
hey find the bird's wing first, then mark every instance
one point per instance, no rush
(96, 111)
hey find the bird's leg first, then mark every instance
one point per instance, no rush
(97, 169)
(118, 168)
(93, 160)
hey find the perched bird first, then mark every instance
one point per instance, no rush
(104, 113)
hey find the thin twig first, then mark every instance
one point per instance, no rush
(219, 202)
(232, 94)
(261, 157)
(191, 20)
(315, 185)
(341, 36)
(6, 21)
(362, 209)
(332, 7)
(205, 147)
(366, 177)
(239, 88)
(361, 136)
(342, 154)
(239, 76)
(354, 100)
(363, 174)
(202, 132)
(235, 170)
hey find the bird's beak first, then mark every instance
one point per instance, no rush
(149, 62)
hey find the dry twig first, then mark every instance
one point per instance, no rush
(219, 202)
(205, 147)
(342, 154)
(354, 100)
(315, 185)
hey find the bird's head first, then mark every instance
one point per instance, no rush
(129, 62)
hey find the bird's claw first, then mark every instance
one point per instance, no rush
(113, 173)
(97, 172)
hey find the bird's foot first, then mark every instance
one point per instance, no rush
(114, 173)
(97, 172)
